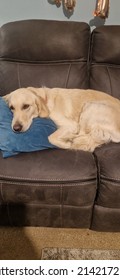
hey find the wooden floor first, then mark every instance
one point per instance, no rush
(27, 243)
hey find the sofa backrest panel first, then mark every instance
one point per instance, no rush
(105, 59)
(43, 53)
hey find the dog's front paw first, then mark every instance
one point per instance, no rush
(60, 143)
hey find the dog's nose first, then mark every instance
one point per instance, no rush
(17, 127)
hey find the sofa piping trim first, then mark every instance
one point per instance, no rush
(102, 177)
(46, 182)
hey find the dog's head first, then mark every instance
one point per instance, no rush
(26, 104)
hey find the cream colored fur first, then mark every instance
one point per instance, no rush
(85, 119)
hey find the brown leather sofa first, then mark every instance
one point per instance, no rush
(61, 188)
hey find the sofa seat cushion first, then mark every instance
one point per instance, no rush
(107, 205)
(49, 188)
(49, 165)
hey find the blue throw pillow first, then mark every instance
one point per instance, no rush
(34, 139)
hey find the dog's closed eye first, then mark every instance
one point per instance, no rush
(25, 106)
(11, 108)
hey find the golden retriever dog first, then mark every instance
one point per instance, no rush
(85, 119)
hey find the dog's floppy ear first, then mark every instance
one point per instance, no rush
(40, 101)
(42, 107)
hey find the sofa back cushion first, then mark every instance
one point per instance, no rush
(43, 53)
(105, 59)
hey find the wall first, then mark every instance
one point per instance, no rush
(11, 10)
